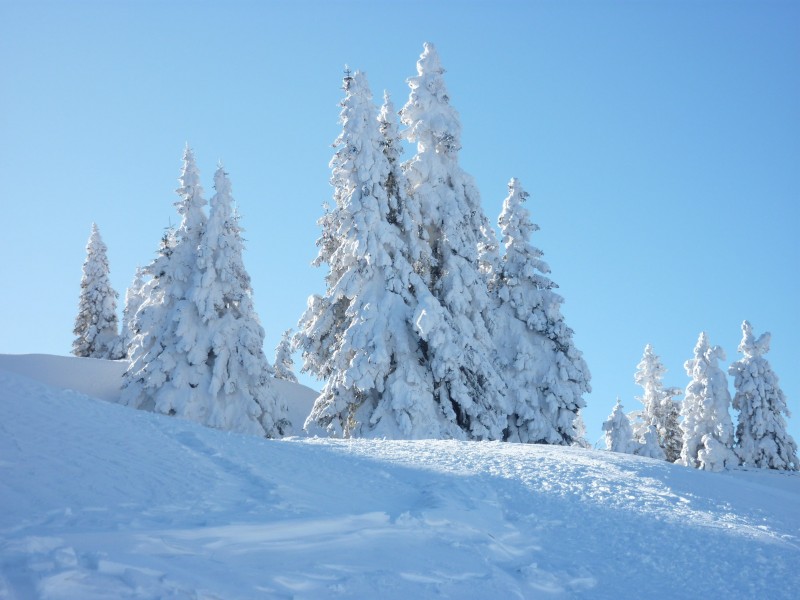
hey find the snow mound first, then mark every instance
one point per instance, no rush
(101, 379)
(101, 501)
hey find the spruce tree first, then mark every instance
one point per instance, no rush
(96, 328)
(762, 439)
(284, 364)
(378, 384)
(618, 432)
(545, 373)
(659, 409)
(457, 346)
(134, 298)
(168, 371)
(649, 445)
(240, 396)
(706, 426)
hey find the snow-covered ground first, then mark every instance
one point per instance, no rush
(101, 501)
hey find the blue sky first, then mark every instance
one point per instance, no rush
(660, 142)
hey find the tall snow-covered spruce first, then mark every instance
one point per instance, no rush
(197, 348)
(167, 372)
(377, 381)
(457, 345)
(659, 410)
(240, 396)
(545, 373)
(96, 327)
(761, 437)
(707, 427)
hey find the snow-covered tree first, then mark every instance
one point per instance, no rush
(580, 440)
(284, 364)
(618, 431)
(168, 371)
(377, 383)
(134, 297)
(544, 371)
(659, 408)
(761, 437)
(457, 346)
(649, 444)
(96, 327)
(240, 394)
(707, 427)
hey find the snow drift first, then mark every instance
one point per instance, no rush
(101, 501)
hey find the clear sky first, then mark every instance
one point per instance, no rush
(660, 142)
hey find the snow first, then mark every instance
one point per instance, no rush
(98, 500)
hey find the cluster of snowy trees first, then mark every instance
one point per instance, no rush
(425, 329)
(699, 431)
(190, 333)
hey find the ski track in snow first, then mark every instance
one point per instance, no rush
(100, 501)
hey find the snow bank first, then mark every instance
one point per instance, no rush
(102, 379)
(101, 501)
(94, 377)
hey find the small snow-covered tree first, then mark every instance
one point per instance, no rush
(96, 327)
(544, 371)
(659, 408)
(762, 439)
(580, 440)
(134, 297)
(707, 427)
(284, 364)
(377, 380)
(618, 431)
(457, 345)
(168, 371)
(240, 396)
(649, 444)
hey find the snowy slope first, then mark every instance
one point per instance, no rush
(100, 501)
(102, 378)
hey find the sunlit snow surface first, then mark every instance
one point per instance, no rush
(101, 501)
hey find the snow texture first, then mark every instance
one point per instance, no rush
(99, 501)
(761, 436)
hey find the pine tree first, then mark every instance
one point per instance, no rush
(168, 371)
(284, 364)
(457, 346)
(580, 440)
(649, 444)
(707, 427)
(377, 383)
(618, 432)
(240, 394)
(659, 409)
(762, 440)
(545, 373)
(134, 298)
(96, 328)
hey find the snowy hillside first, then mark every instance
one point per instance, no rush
(101, 501)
